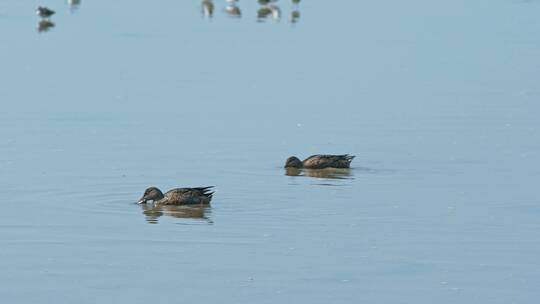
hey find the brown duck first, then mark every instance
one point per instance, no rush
(178, 196)
(320, 161)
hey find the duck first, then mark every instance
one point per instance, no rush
(44, 12)
(320, 161)
(178, 196)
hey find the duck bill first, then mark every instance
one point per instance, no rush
(142, 201)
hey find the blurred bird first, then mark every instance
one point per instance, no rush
(269, 11)
(233, 10)
(44, 12)
(294, 16)
(73, 5)
(207, 8)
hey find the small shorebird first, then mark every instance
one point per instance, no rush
(269, 10)
(232, 9)
(44, 12)
(207, 8)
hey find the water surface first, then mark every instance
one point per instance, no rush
(438, 101)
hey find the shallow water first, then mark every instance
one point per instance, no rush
(438, 101)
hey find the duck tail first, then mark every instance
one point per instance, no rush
(348, 157)
(209, 195)
(206, 191)
(346, 160)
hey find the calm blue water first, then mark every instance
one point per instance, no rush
(438, 101)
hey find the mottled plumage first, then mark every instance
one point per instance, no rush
(178, 196)
(320, 161)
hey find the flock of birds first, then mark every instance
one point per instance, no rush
(269, 9)
(201, 196)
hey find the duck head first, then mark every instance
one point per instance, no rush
(151, 194)
(293, 162)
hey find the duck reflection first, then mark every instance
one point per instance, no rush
(207, 8)
(331, 173)
(73, 5)
(294, 16)
(45, 26)
(154, 212)
(232, 9)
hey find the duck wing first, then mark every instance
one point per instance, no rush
(188, 196)
(321, 161)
